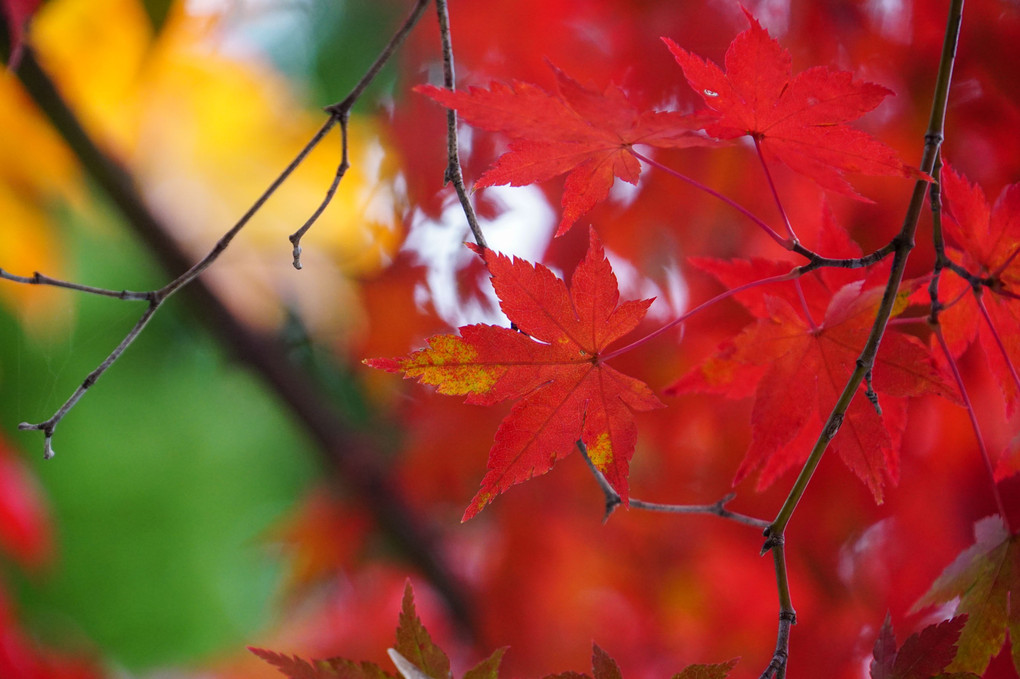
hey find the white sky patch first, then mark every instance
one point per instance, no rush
(624, 193)
(247, 29)
(670, 301)
(523, 230)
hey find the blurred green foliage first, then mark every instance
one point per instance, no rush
(168, 474)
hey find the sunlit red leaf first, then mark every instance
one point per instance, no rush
(575, 130)
(552, 364)
(800, 120)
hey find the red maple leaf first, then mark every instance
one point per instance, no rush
(923, 656)
(987, 242)
(553, 365)
(799, 120)
(801, 367)
(575, 130)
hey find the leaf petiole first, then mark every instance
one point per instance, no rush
(786, 243)
(792, 275)
(775, 194)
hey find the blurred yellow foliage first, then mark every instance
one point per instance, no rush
(204, 131)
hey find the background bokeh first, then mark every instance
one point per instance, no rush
(191, 510)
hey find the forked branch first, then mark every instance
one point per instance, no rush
(902, 244)
(613, 501)
(44, 92)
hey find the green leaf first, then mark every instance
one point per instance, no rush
(333, 668)
(488, 668)
(603, 666)
(715, 671)
(984, 578)
(415, 644)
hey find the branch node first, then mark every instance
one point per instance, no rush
(833, 426)
(772, 540)
(870, 393)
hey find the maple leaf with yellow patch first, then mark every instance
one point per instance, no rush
(553, 363)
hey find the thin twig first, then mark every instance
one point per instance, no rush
(49, 426)
(818, 262)
(453, 172)
(42, 279)
(341, 170)
(793, 275)
(786, 243)
(158, 297)
(384, 56)
(340, 113)
(613, 500)
(982, 449)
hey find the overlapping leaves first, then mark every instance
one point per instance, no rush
(798, 367)
(418, 657)
(801, 120)
(575, 130)
(985, 241)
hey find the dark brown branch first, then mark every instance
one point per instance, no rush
(341, 170)
(42, 279)
(352, 456)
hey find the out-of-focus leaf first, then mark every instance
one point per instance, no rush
(986, 579)
(415, 644)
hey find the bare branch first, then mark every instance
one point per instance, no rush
(613, 501)
(453, 172)
(49, 426)
(41, 279)
(340, 113)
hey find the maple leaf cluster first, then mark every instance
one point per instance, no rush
(553, 363)
(808, 323)
(590, 135)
